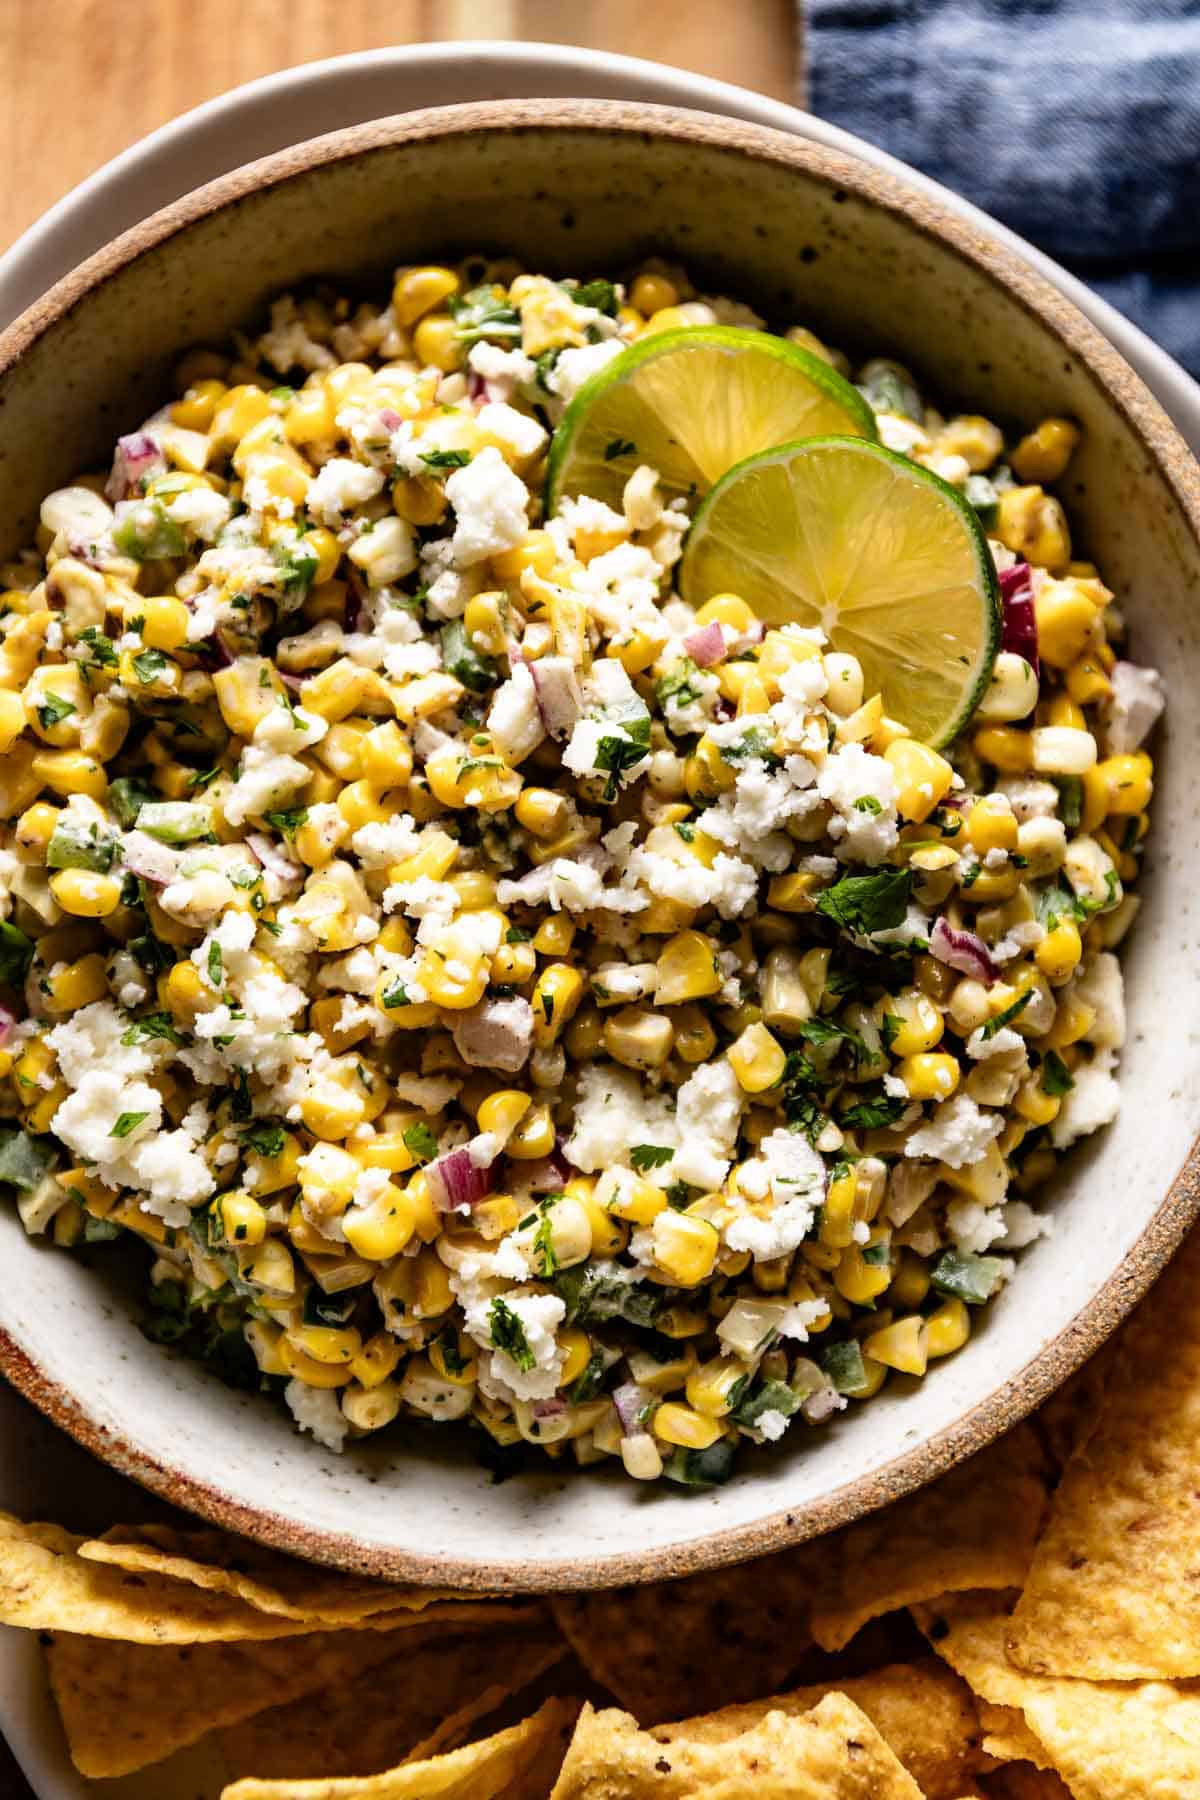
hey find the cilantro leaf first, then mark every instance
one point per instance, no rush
(1057, 1079)
(53, 710)
(868, 903)
(600, 295)
(1009, 1013)
(148, 665)
(395, 995)
(508, 1334)
(16, 954)
(287, 823)
(420, 1140)
(153, 1025)
(650, 1156)
(875, 1112)
(445, 459)
(267, 1140)
(127, 1122)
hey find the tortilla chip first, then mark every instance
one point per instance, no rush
(127, 1704)
(262, 1578)
(1114, 1591)
(1108, 1740)
(392, 1711)
(513, 1763)
(1021, 1781)
(832, 1752)
(975, 1527)
(924, 1713)
(1007, 1737)
(678, 1647)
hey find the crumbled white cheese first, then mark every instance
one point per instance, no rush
(340, 486)
(958, 1134)
(318, 1410)
(538, 1317)
(1092, 1102)
(518, 436)
(573, 367)
(861, 788)
(791, 1174)
(490, 508)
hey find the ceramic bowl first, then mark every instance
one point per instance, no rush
(806, 233)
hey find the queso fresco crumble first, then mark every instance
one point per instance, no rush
(493, 990)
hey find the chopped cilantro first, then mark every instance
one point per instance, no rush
(420, 1140)
(480, 315)
(546, 1262)
(600, 295)
(1057, 1079)
(396, 995)
(874, 1112)
(445, 459)
(587, 1385)
(103, 654)
(267, 1140)
(616, 754)
(153, 1025)
(53, 710)
(288, 822)
(508, 1334)
(1007, 1016)
(650, 1156)
(517, 934)
(148, 665)
(16, 954)
(127, 1122)
(676, 687)
(868, 903)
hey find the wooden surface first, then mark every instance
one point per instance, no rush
(81, 79)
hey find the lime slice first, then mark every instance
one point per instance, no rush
(883, 555)
(692, 403)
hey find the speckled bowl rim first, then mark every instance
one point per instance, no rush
(1027, 1387)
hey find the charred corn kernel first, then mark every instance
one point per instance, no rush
(1129, 780)
(629, 1197)
(326, 1343)
(71, 772)
(792, 893)
(437, 344)
(536, 551)
(385, 756)
(706, 773)
(533, 1136)
(542, 812)
(12, 719)
(554, 936)
(910, 1280)
(991, 825)
(758, 1059)
(1058, 954)
(309, 1369)
(900, 1345)
(1035, 1104)
(1005, 749)
(922, 777)
(1032, 524)
(502, 1111)
(556, 996)
(418, 291)
(1087, 683)
(695, 1039)
(1067, 622)
(1043, 454)
(86, 894)
(435, 858)
(638, 1038)
(947, 1329)
(577, 1349)
(929, 1075)
(455, 1357)
(687, 969)
(610, 1235)
(514, 964)
(650, 293)
(676, 1424)
(236, 1218)
(858, 1280)
(712, 1388)
(164, 622)
(684, 1247)
(918, 1022)
(71, 985)
(381, 1229)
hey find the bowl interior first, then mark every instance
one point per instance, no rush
(809, 236)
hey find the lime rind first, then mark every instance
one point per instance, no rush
(882, 554)
(738, 392)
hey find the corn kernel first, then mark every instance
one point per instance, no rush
(676, 1424)
(687, 969)
(712, 1386)
(922, 778)
(947, 1329)
(991, 825)
(900, 1345)
(437, 343)
(629, 1197)
(684, 1248)
(1043, 454)
(533, 1136)
(929, 1075)
(858, 1280)
(638, 1038)
(86, 894)
(758, 1059)
(1005, 749)
(1058, 954)
(381, 1229)
(418, 291)
(76, 984)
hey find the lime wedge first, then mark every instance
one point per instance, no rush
(883, 555)
(692, 403)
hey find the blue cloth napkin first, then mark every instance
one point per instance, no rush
(1076, 122)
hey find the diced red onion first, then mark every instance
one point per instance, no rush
(723, 709)
(706, 646)
(153, 862)
(1018, 630)
(7, 1021)
(549, 1174)
(456, 1181)
(495, 1034)
(553, 1408)
(963, 951)
(293, 683)
(136, 457)
(390, 419)
(631, 1401)
(556, 691)
(272, 858)
(357, 607)
(476, 386)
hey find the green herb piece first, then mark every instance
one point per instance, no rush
(1007, 1016)
(480, 315)
(103, 655)
(586, 1386)
(126, 797)
(420, 1140)
(215, 965)
(53, 710)
(844, 1366)
(152, 1026)
(396, 995)
(100, 1231)
(867, 803)
(1057, 1079)
(604, 1290)
(297, 563)
(600, 295)
(967, 1277)
(76, 846)
(828, 1031)
(1070, 800)
(650, 1156)
(199, 779)
(868, 903)
(266, 1140)
(543, 1246)
(508, 1334)
(16, 954)
(445, 459)
(127, 1122)
(148, 665)
(288, 822)
(874, 1113)
(477, 673)
(677, 687)
(151, 954)
(756, 744)
(889, 1029)
(25, 1160)
(145, 533)
(701, 1468)
(615, 755)
(619, 447)
(772, 1396)
(517, 934)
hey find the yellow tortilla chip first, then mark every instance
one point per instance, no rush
(1108, 1740)
(924, 1713)
(1113, 1593)
(1021, 1781)
(392, 1711)
(1007, 1737)
(124, 1705)
(262, 1578)
(677, 1647)
(510, 1763)
(832, 1752)
(975, 1527)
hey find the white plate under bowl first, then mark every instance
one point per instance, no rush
(66, 1483)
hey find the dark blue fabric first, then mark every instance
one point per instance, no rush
(1076, 122)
